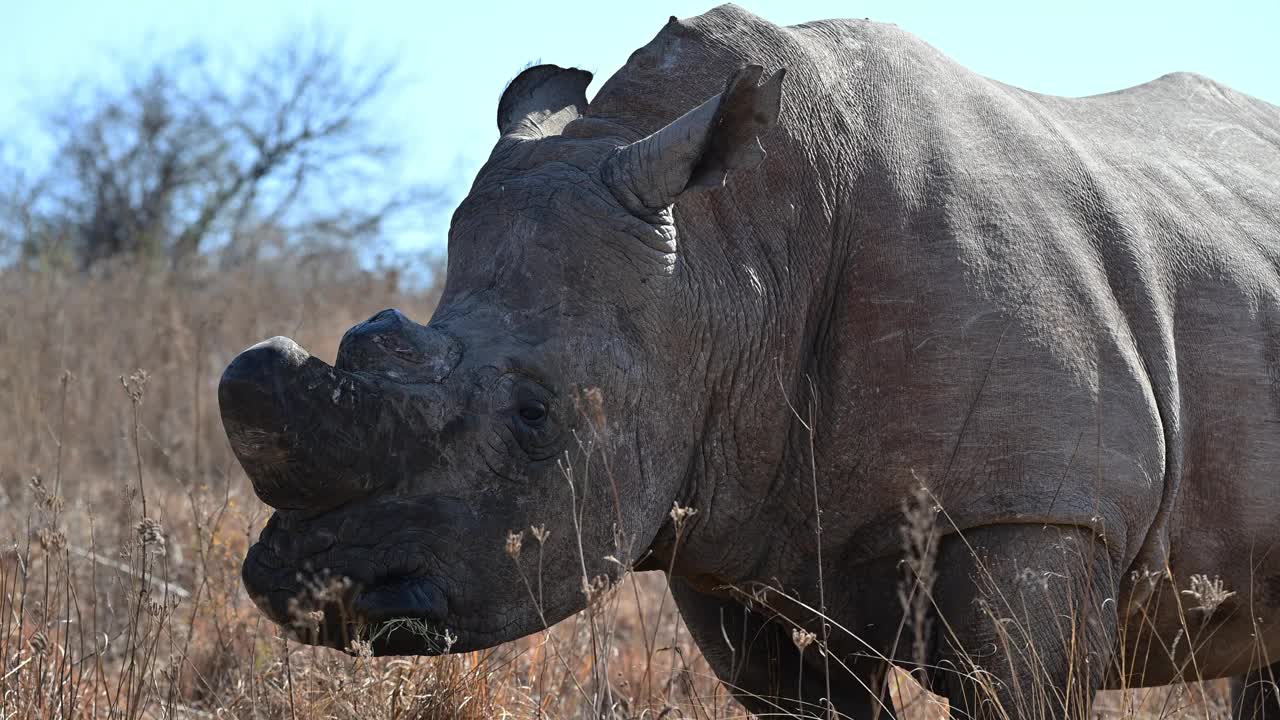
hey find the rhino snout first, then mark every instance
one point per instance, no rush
(399, 613)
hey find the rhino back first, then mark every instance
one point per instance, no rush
(1136, 236)
(1058, 310)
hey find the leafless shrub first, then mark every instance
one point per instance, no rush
(191, 153)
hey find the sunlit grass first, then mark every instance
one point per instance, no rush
(125, 518)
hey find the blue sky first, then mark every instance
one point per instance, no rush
(455, 56)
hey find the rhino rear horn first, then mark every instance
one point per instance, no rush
(701, 147)
(541, 100)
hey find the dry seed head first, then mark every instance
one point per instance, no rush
(301, 618)
(680, 513)
(802, 639)
(1208, 593)
(591, 404)
(595, 588)
(325, 589)
(1149, 576)
(133, 385)
(309, 620)
(150, 534)
(515, 540)
(55, 504)
(540, 533)
(361, 648)
(52, 540)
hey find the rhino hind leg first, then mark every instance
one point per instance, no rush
(1256, 696)
(758, 661)
(1027, 621)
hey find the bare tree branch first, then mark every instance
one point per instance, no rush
(191, 155)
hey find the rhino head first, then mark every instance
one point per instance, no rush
(554, 388)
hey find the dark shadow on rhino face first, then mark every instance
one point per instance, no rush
(398, 472)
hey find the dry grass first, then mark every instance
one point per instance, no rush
(124, 518)
(109, 388)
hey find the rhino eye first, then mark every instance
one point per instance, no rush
(533, 413)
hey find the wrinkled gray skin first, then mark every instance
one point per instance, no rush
(1061, 316)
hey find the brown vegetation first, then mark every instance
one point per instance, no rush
(125, 516)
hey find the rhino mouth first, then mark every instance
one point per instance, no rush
(393, 614)
(397, 617)
(342, 603)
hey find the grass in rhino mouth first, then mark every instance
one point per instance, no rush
(385, 637)
(320, 614)
(439, 639)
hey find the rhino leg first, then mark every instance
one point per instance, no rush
(758, 661)
(1256, 696)
(1027, 621)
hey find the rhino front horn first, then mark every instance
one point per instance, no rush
(291, 418)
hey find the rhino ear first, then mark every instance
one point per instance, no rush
(699, 148)
(541, 100)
